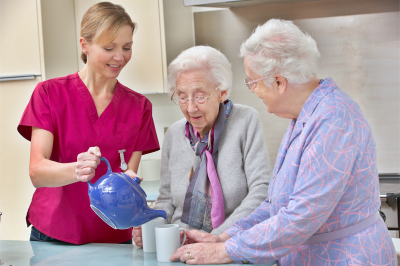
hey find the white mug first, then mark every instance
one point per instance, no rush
(149, 235)
(168, 240)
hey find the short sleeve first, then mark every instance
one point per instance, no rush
(147, 140)
(37, 113)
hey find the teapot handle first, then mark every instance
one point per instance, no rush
(108, 168)
(108, 164)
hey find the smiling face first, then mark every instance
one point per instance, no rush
(109, 59)
(195, 83)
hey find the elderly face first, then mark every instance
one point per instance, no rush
(270, 96)
(196, 83)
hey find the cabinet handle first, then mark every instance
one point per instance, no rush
(18, 77)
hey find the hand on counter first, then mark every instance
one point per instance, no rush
(137, 236)
(202, 253)
(196, 236)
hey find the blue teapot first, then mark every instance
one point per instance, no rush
(120, 201)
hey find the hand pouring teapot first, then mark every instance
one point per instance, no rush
(120, 201)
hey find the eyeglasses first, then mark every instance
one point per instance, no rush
(249, 83)
(185, 100)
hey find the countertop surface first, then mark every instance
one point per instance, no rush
(22, 253)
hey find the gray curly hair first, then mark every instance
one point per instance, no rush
(202, 58)
(280, 47)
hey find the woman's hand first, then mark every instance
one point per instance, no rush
(87, 163)
(196, 236)
(132, 174)
(137, 236)
(202, 253)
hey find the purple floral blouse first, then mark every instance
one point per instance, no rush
(325, 178)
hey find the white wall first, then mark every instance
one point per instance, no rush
(165, 113)
(359, 43)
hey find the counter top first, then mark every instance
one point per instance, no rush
(396, 242)
(22, 253)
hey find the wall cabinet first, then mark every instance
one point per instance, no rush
(20, 46)
(19, 38)
(42, 38)
(44, 35)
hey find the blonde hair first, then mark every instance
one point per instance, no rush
(102, 22)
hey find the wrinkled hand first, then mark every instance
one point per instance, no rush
(137, 236)
(87, 163)
(202, 253)
(196, 236)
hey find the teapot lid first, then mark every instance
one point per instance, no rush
(135, 181)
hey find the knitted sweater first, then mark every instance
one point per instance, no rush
(243, 168)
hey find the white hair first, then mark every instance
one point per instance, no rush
(202, 58)
(280, 47)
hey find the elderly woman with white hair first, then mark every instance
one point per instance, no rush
(323, 199)
(215, 168)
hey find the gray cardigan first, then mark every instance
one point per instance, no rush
(243, 168)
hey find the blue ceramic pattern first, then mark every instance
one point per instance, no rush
(120, 201)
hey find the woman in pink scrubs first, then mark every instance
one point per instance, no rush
(73, 120)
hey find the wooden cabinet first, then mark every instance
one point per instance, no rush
(58, 37)
(19, 42)
(38, 37)
(41, 37)
(20, 55)
(146, 72)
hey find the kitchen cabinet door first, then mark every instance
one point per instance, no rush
(19, 42)
(146, 72)
(20, 55)
(16, 188)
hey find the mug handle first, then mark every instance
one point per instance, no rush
(184, 235)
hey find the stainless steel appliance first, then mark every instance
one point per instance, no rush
(389, 186)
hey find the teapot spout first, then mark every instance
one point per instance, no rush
(150, 214)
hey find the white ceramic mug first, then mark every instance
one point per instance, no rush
(168, 240)
(149, 235)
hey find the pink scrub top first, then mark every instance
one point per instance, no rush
(65, 107)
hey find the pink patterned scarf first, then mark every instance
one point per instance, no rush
(204, 202)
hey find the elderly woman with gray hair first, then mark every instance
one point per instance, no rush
(215, 169)
(323, 199)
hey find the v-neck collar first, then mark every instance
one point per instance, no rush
(324, 88)
(98, 121)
